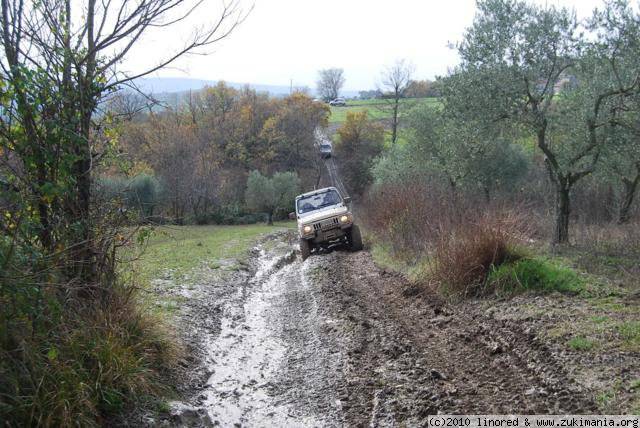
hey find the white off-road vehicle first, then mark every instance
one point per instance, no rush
(324, 219)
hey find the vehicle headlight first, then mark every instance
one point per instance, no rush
(307, 229)
(345, 219)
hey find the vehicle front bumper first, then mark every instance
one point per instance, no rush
(327, 236)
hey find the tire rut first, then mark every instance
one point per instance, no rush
(334, 341)
(416, 355)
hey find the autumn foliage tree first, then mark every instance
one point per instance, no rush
(203, 151)
(360, 142)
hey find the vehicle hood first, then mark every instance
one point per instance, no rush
(312, 217)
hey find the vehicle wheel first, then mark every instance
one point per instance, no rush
(355, 239)
(305, 249)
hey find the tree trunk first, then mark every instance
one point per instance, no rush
(487, 194)
(630, 189)
(270, 218)
(394, 122)
(562, 212)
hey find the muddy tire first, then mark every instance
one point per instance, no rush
(355, 238)
(305, 249)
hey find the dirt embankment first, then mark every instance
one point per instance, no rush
(335, 341)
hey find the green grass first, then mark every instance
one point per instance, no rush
(539, 274)
(339, 114)
(605, 398)
(384, 257)
(179, 249)
(630, 333)
(580, 343)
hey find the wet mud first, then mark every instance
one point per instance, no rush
(335, 341)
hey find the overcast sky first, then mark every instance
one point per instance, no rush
(292, 39)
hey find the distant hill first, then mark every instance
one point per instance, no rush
(168, 85)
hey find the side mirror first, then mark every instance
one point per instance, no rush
(347, 199)
(292, 216)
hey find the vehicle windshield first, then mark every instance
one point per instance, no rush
(318, 201)
(325, 147)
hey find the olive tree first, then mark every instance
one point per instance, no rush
(269, 194)
(465, 154)
(621, 168)
(535, 68)
(621, 157)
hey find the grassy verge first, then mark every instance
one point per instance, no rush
(179, 249)
(536, 274)
(86, 362)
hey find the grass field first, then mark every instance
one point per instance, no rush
(339, 114)
(180, 249)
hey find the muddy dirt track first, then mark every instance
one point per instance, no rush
(335, 341)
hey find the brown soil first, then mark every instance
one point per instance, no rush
(336, 341)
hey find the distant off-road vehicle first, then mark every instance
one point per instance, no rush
(325, 149)
(324, 219)
(338, 102)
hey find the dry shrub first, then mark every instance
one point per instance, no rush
(408, 217)
(608, 239)
(461, 237)
(466, 252)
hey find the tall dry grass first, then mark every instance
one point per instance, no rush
(460, 238)
(94, 360)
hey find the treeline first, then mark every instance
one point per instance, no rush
(414, 89)
(543, 108)
(537, 132)
(194, 159)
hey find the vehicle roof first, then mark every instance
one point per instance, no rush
(317, 192)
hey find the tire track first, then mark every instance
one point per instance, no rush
(330, 164)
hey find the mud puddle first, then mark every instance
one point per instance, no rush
(246, 356)
(252, 359)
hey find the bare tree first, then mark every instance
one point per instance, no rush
(60, 60)
(330, 81)
(396, 79)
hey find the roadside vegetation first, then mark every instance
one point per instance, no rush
(515, 176)
(513, 196)
(176, 251)
(78, 343)
(480, 183)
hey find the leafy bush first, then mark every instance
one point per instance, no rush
(535, 274)
(141, 193)
(269, 195)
